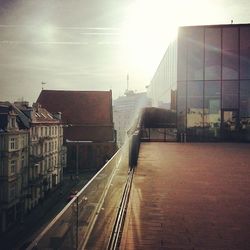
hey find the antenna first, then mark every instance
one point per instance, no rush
(127, 81)
(43, 83)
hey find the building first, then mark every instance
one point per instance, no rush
(125, 111)
(47, 154)
(32, 158)
(88, 126)
(14, 156)
(209, 66)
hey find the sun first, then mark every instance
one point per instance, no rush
(146, 33)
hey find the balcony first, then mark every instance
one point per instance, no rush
(35, 159)
(182, 197)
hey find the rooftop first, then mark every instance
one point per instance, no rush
(189, 196)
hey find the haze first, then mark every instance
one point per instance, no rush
(93, 45)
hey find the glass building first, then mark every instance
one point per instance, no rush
(208, 67)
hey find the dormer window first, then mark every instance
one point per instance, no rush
(12, 122)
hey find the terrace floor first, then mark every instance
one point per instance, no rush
(190, 196)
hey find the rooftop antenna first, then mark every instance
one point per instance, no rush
(43, 83)
(127, 81)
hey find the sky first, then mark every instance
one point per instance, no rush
(94, 44)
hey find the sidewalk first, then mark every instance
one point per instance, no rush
(40, 216)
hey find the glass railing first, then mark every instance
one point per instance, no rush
(87, 220)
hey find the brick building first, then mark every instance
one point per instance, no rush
(88, 126)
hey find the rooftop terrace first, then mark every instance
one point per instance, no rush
(189, 196)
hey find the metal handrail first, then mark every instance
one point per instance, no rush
(114, 241)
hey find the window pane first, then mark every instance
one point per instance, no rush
(212, 54)
(195, 104)
(195, 53)
(245, 53)
(230, 53)
(230, 91)
(245, 98)
(181, 106)
(182, 55)
(212, 114)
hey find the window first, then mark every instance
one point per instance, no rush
(41, 131)
(195, 53)
(230, 91)
(13, 166)
(12, 193)
(13, 122)
(23, 161)
(245, 52)
(212, 53)
(230, 53)
(13, 143)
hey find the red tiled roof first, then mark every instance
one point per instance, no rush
(79, 107)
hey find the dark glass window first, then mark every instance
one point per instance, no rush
(230, 93)
(212, 109)
(245, 98)
(195, 47)
(195, 104)
(230, 53)
(181, 106)
(182, 56)
(212, 54)
(245, 53)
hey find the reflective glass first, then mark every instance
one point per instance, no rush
(230, 53)
(181, 106)
(245, 98)
(182, 56)
(230, 93)
(212, 53)
(245, 52)
(195, 48)
(195, 104)
(212, 109)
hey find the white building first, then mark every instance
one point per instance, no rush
(14, 151)
(125, 111)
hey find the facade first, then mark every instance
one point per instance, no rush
(14, 152)
(125, 111)
(88, 126)
(47, 154)
(32, 158)
(209, 66)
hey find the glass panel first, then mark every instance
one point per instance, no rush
(245, 110)
(230, 93)
(212, 115)
(230, 54)
(195, 53)
(245, 52)
(229, 125)
(182, 55)
(212, 54)
(195, 109)
(181, 106)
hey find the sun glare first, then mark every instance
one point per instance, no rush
(152, 24)
(146, 33)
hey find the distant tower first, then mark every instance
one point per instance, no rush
(127, 81)
(43, 83)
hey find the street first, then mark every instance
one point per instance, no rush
(22, 234)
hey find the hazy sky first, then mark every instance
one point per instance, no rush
(93, 44)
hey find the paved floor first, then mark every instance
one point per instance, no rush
(190, 196)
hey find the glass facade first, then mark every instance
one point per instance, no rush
(215, 66)
(213, 82)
